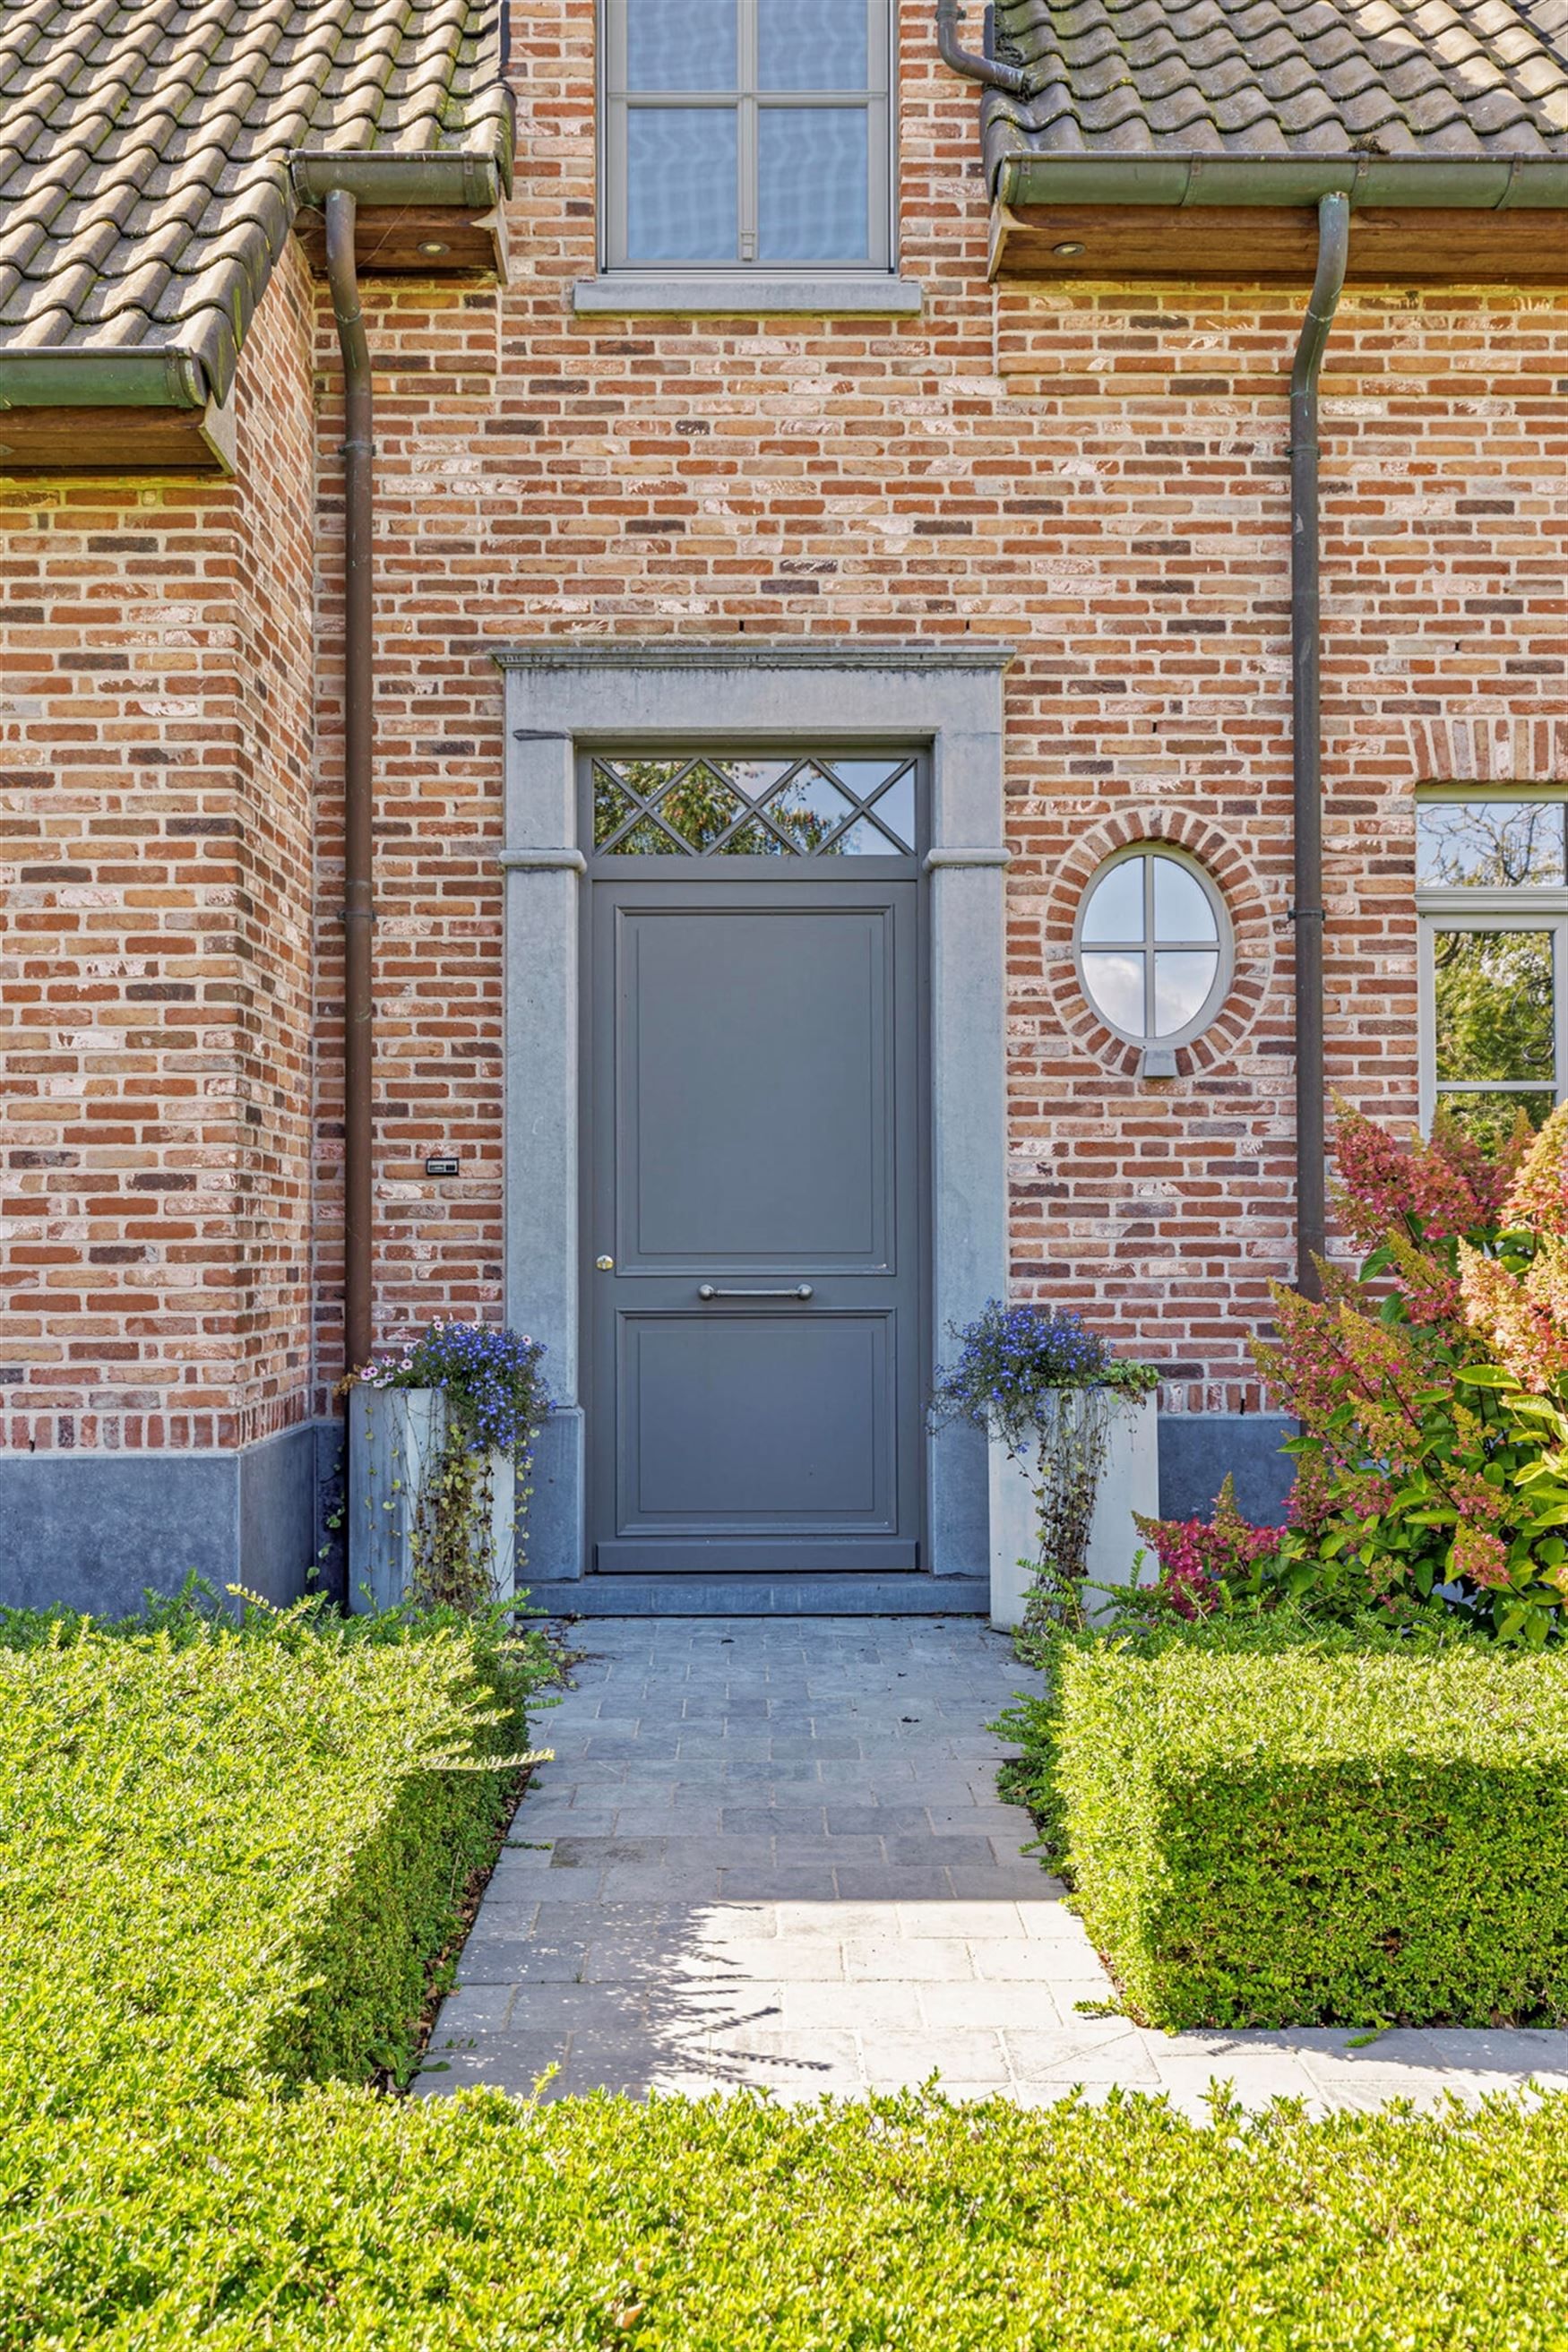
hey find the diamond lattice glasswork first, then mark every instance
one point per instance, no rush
(711, 806)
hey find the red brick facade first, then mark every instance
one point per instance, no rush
(155, 981)
(1095, 474)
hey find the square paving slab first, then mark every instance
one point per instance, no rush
(771, 1854)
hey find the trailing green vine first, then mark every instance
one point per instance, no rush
(492, 1401)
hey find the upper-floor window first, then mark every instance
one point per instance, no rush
(747, 134)
(1491, 878)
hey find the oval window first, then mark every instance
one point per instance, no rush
(1153, 946)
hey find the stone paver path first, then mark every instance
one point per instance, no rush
(771, 1853)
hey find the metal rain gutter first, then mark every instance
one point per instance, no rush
(1307, 737)
(1475, 183)
(474, 181)
(359, 914)
(58, 376)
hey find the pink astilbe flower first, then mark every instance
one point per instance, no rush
(1196, 1562)
(1523, 1319)
(1538, 1195)
(1327, 1355)
(1373, 1193)
(1431, 1294)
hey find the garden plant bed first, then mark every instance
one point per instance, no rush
(229, 1861)
(1267, 1830)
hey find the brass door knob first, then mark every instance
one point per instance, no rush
(605, 1264)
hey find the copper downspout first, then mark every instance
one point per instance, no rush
(358, 910)
(1306, 738)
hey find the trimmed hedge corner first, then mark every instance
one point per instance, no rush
(1314, 1834)
(232, 1860)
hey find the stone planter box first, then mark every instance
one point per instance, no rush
(1129, 1482)
(394, 1435)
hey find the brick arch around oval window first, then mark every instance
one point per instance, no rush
(1253, 932)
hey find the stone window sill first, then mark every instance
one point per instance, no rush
(748, 295)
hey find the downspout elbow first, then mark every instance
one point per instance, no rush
(989, 70)
(1328, 285)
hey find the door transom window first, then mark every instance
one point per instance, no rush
(707, 805)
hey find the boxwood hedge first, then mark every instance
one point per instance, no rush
(1266, 1833)
(338, 2220)
(225, 1861)
(229, 1859)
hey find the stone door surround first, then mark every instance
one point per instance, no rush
(564, 697)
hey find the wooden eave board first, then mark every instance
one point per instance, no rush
(181, 441)
(389, 239)
(1243, 244)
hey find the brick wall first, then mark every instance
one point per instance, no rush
(156, 718)
(1096, 473)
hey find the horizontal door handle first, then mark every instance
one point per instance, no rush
(706, 1291)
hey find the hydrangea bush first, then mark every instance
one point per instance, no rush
(495, 1400)
(1431, 1388)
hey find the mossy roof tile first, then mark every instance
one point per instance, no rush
(144, 146)
(1484, 79)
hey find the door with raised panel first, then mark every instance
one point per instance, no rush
(755, 1207)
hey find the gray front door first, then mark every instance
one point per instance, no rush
(756, 1183)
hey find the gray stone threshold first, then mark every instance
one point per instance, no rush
(764, 1596)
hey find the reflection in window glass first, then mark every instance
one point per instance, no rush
(1115, 909)
(1181, 911)
(1182, 983)
(896, 809)
(1493, 999)
(1116, 988)
(680, 184)
(811, 44)
(1144, 951)
(1491, 1116)
(810, 808)
(709, 804)
(812, 184)
(681, 45)
(1491, 845)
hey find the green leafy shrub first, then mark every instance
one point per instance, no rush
(1265, 1826)
(227, 1855)
(734, 2225)
(1431, 1390)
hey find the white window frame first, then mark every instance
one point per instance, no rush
(878, 101)
(1222, 946)
(1519, 907)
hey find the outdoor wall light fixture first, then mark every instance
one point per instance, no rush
(432, 247)
(1068, 246)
